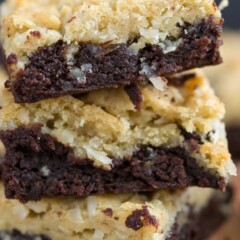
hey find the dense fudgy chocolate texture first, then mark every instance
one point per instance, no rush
(199, 226)
(28, 151)
(48, 74)
(233, 136)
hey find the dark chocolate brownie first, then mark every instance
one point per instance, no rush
(48, 74)
(30, 152)
(140, 218)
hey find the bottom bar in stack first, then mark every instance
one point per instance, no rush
(190, 214)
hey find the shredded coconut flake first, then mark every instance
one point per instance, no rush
(171, 46)
(78, 74)
(71, 51)
(45, 171)
(21, 211)
(91, 206)
(146, 70)
(98, 156)
(76, 214)
(159, 83)
(24, 115)
(37, 207)
(98, 235)
(87, 68)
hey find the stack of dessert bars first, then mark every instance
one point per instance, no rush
(104, 138)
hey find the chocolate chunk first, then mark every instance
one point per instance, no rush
(36, 34)
(108, 212)
(141, 218)
(29, 152)
(11, 59)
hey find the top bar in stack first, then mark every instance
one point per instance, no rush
(57, 48)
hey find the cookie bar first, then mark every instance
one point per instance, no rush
(229, 93)
(175, 215)
(99, 143)
(57, 48)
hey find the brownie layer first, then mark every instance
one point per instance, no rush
(36, 166)
(198, 226)
(50, 74)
